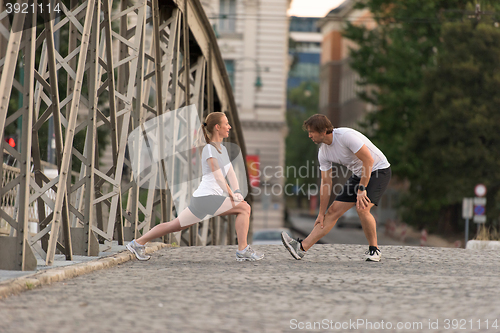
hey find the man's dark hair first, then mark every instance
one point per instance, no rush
(318, 123)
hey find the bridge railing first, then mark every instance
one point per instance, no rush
(96, 71)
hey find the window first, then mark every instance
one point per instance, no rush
(230, 70)
(304, 24)
(227, 16)
(305, 71)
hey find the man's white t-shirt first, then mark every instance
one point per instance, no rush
(346, 142)
(209, 185)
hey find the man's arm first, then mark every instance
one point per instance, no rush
(366, 157)
(324, 198)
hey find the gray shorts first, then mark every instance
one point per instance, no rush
(205, 205)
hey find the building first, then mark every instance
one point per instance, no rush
(253, 39)
(305, 50)
(338, 88)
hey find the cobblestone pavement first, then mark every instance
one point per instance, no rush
(203, 289)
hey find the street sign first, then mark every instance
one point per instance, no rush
(479, 210)
(467, 208)
(479, 201)
(479, 218)
(480, 190)
(253, 167)
(467, 214)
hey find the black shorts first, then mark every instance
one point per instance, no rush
(205, 205)
(379, 180)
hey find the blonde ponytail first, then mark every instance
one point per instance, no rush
(204, 135)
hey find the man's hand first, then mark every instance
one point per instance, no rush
(320, 220)
(365, 156)
(363, 200)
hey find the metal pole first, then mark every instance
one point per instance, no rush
(159, 105)
(466, 232)
(65, 166)
(23, 251)
(19, 130)
(51, 142)
(187, 59)
(54, 95)
(193, 230)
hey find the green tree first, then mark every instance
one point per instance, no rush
(455, 138)
(392, 60)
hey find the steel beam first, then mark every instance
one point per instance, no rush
(70, 131)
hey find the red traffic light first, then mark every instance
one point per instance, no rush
(11, 141)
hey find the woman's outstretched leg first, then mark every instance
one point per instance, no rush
(159, 231)
(137, 245)
(162, 229)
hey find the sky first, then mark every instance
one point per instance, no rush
(312, 8)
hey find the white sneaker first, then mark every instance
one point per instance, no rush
(292, 245)
(248, 255)
(373, 254)
(138, 250)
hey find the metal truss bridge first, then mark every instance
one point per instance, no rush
(96, 70)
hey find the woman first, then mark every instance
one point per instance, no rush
(209, 198)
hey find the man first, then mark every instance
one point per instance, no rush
(371, 173)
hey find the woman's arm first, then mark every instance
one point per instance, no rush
(233, 180)
(219, 177)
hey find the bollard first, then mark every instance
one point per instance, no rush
(423, 238)
(404, 231)
(390, 228)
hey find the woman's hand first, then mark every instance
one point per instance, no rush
(238, 197)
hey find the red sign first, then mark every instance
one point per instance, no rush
(253, 167)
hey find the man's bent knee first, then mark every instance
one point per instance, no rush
(364, 211)
(333, 214)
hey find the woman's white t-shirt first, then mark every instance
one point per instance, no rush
(346, 143)
(209, 185)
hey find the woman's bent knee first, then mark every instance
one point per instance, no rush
(245, 207)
